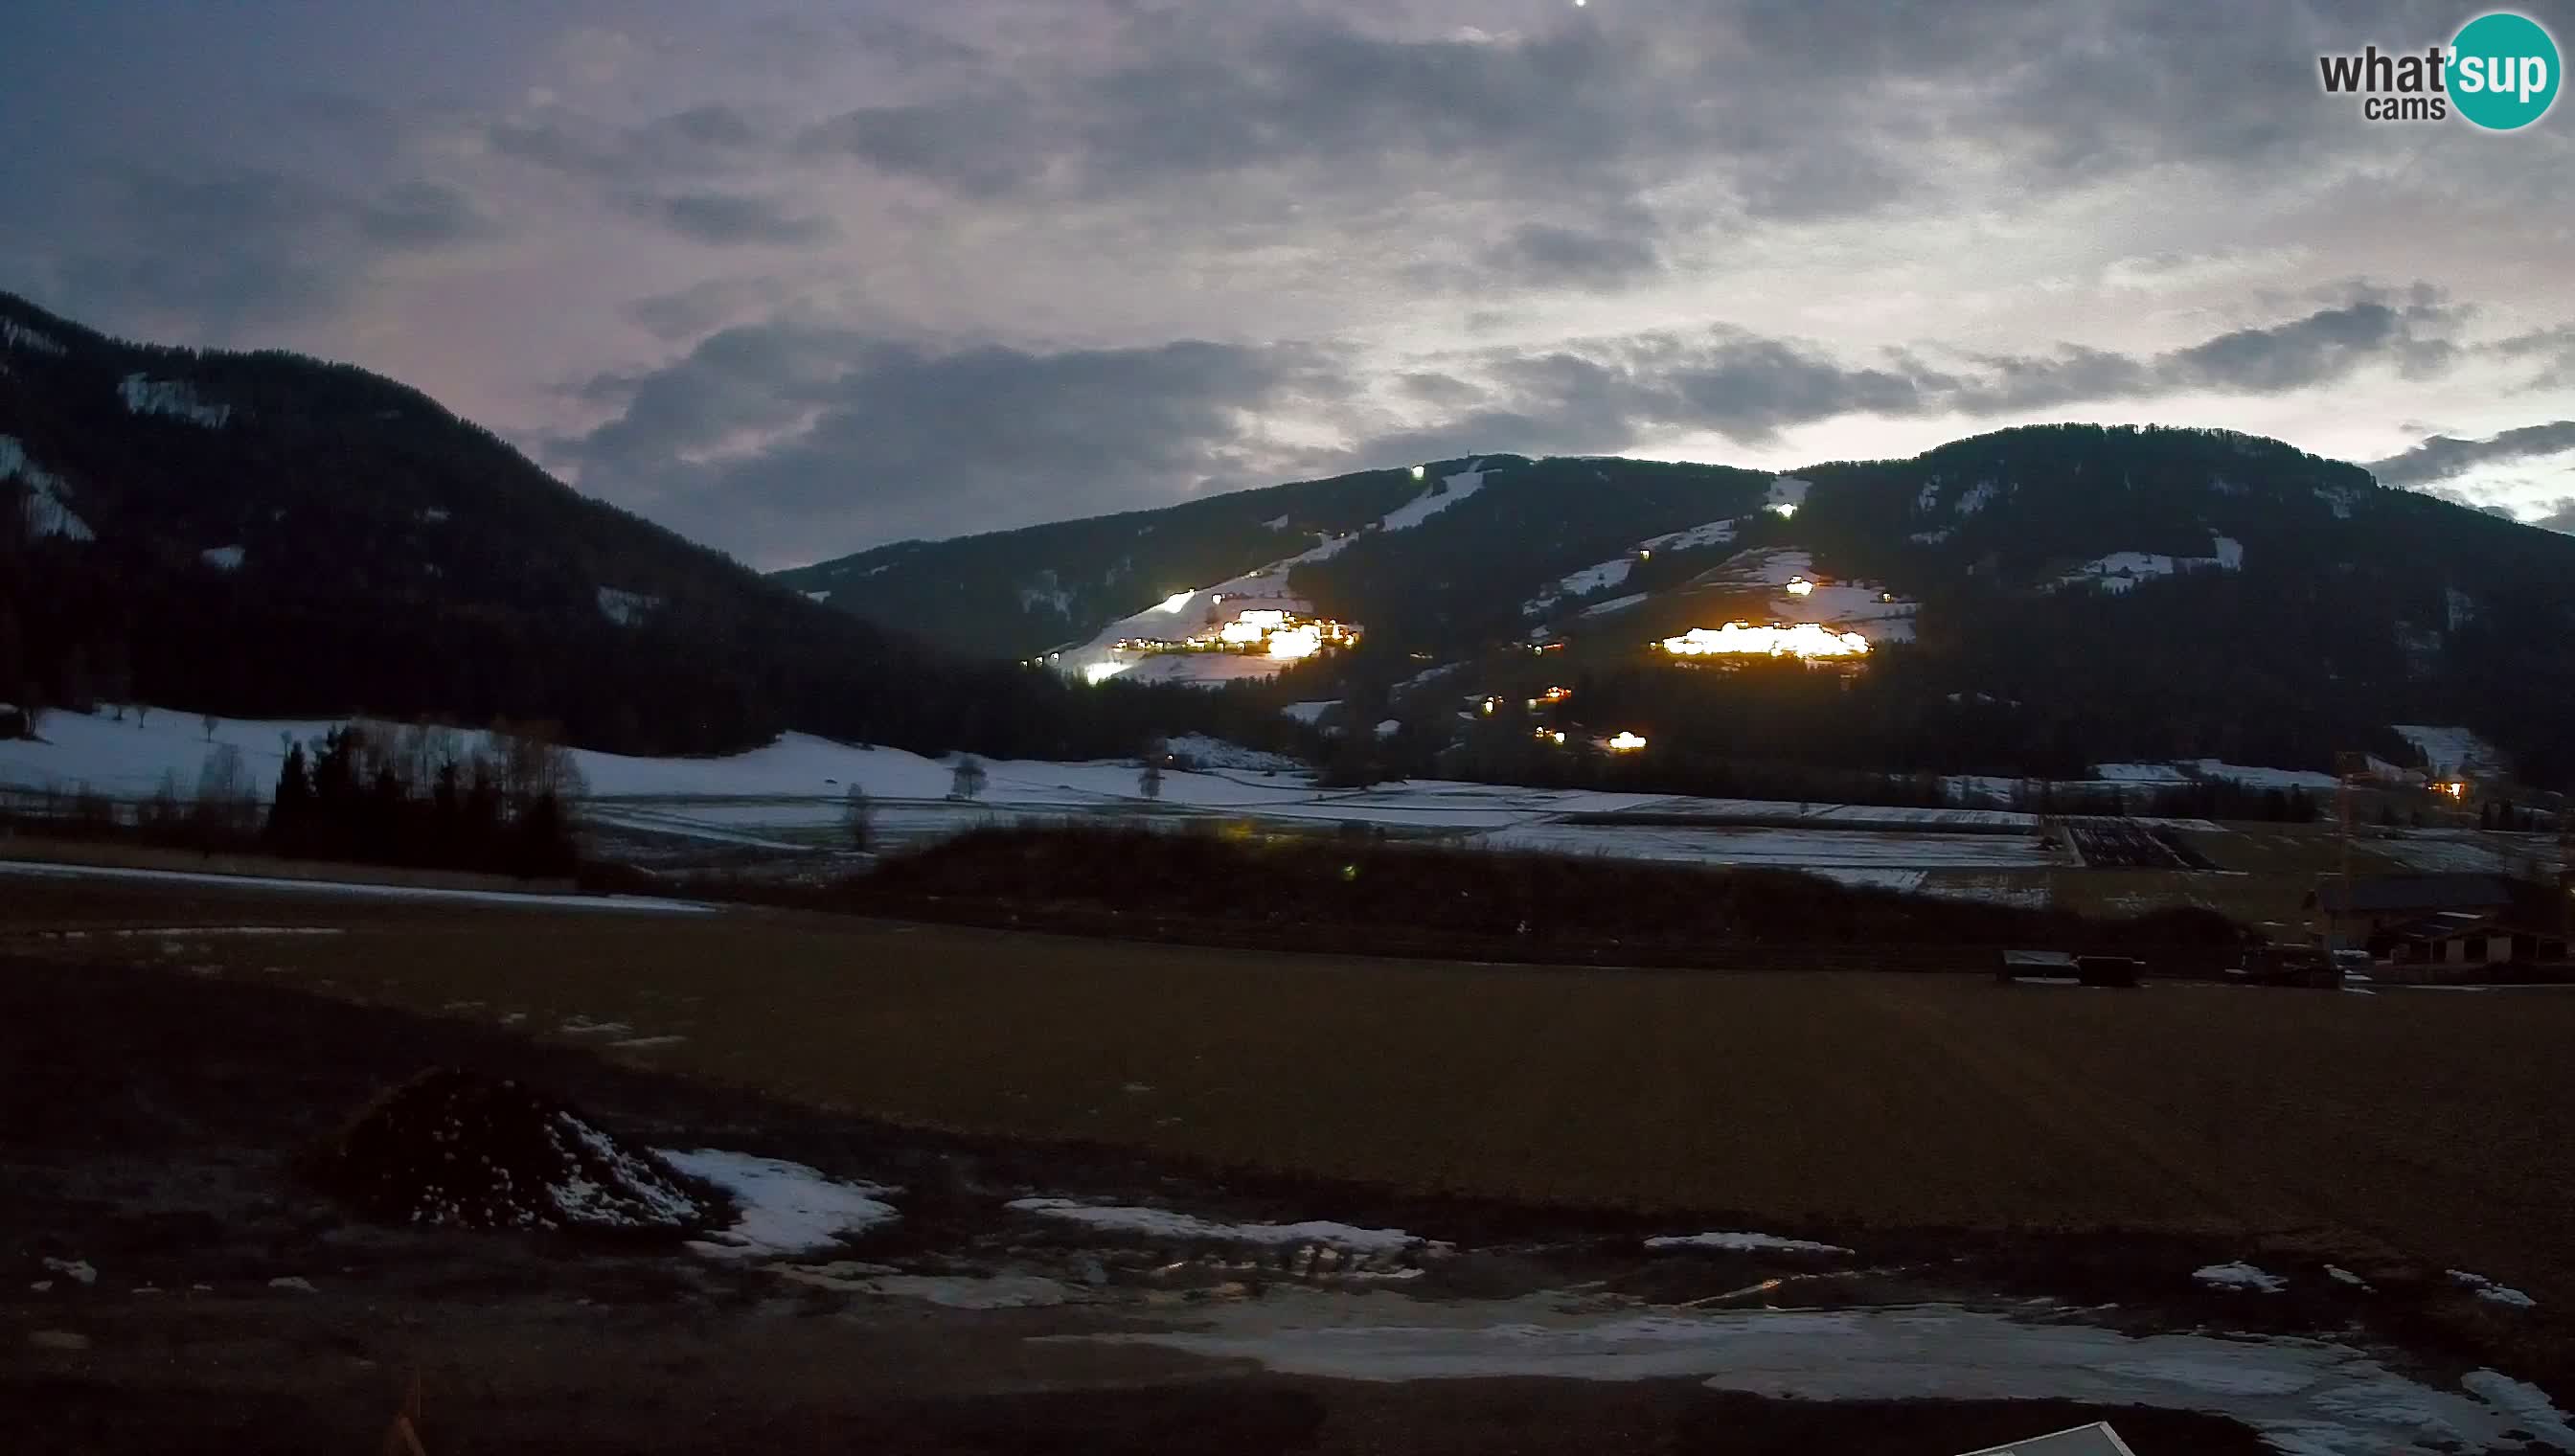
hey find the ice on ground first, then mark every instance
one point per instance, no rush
(635, 904)
(175, 399)
(1163, 1223)
(2239, 1275)
(2489, 1289)
(1744, 1243)
(787, 1209)
(2312, 1397)
(223, 557)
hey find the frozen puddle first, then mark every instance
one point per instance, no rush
(1161, 1223)
(786, 1208)
(2308, 1397)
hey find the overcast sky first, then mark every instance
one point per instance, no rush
(799, 279)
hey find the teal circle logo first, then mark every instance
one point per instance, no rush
(2502, 73)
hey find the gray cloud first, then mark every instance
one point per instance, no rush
(730, 218)
(2560, 514)
(704, 306)
(777, 439)
(2324, 346)
(2445, 457)
(694, 143)
(1547, 255)
(249, 247)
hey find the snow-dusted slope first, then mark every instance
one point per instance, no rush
(47, 513)
(1264, 587)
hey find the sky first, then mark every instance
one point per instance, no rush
(798, 279)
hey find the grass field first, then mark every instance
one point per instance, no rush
(2423, 1123)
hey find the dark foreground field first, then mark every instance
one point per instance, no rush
(2092, 1144)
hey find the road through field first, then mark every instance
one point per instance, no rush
(2421, 1122)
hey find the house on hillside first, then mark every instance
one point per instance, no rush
(2369, 905)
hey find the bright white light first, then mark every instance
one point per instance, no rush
(1782, 509)
(1800, 587)
(1174, 602)
(1296, 642)
(1418, 471)
(1099, 673)
(1625, 743)
(1741, 638)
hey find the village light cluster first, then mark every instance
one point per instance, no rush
(1741, 638)
(1262, 630)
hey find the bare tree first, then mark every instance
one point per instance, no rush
(968, 780)
(227, 799)
(858, 815)
(1150, 781)
(210, 722)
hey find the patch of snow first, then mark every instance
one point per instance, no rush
(295, 1283)
(2239, 1275)
(1047, 594)
(47, 513)
(1713, 533)
(2220, 484)
(2252, 777)
(1310, 714)
(2341, 1275)
(1744, 1243)
(78, 1271)
(222, 557)
(2231, 553)
(2121, 571)
(2139, 773)
(2462, 608)
(1928, 497)
(1215, 752)
(2538, 1414)
(1614, 604)
(625, 609)
(2451, 750)
(997, 1291)
(432, 515)
(2489, 1289)
(343, 888)
(14, 335)
(1275, 523)
(786, 1208)
(174, 398)
(1161, 1223)
(1977, 498)
(1931, 537)
(2339, 499)
(1387, 727)
(1583, 582)
(2307, 1396)
(824, 595)
(1460, 487)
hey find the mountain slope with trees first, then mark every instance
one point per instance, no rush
(266, 534)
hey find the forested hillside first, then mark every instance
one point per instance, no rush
(274, 535)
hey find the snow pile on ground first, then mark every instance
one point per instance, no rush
(1744, 1243)
(2239, 1275)
(786, 1208)
(2309, 1396)
(222, 557)
(2489, 1289)
(2452, 749)
(174, 398)
(1161, 1223)
(451, 1147)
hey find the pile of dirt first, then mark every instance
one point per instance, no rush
(451, 1147)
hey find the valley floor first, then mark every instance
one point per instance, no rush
(2052, 1187)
